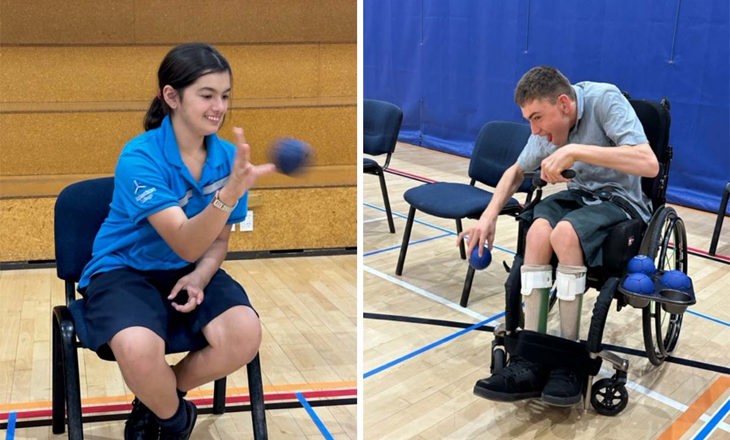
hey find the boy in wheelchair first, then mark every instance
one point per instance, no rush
(592, 129)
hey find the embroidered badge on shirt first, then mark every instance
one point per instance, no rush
(141, 193)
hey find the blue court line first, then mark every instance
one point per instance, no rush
(430, 346)
(379, 251)
(702, 315)
(10, 435)
(313, 415)
(714, 421)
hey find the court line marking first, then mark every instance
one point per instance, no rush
(10, 434)
(429, 295)
(425, 348)
(313, 415)
(196, 393)
(710, 427)
(696, 410)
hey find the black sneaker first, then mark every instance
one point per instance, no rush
(519, 380)
(562, 388)
(185, 433)
(141, 424)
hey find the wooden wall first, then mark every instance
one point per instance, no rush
(75, 82)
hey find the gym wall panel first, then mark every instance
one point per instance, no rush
(46, 22)
(326, 220)
(452, 66)
(90, 142)
(76, 81)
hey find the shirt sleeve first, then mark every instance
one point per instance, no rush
(619, 120)
(536, 149)
(141, 185)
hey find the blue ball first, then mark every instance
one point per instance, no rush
(290, 155)
(478, 262)
(675, 279)
(639, 283)
(641, 264)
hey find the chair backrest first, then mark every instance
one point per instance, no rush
(79, 212)
(656, 120)
(381, 125)
(497, 148)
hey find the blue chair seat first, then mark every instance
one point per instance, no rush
(452, 200)
(370, 166)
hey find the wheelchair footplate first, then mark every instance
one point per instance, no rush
(608, 396)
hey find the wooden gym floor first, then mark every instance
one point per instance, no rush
(419, 373)
(308, 354)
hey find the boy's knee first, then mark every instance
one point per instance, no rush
(241, 329)
(137, 344)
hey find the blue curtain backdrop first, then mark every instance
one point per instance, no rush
(453, 65)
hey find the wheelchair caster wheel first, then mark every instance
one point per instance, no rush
(609, 397)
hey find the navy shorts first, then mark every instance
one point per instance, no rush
(592, 222)
(126, 297)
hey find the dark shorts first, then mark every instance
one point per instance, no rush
(124, 298)
(592, 222)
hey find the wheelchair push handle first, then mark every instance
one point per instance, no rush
(537, 182)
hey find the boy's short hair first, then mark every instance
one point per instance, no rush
(542, 82)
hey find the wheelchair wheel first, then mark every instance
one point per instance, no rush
(665, 242)
(609, 397)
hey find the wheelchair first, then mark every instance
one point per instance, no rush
(663, 240)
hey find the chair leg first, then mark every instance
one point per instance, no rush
(462, 248)
(406, 238)
(386, 201)
(720, 218)
(58, 402)
(219, 396)
(71, 377)
(256, 393)
(467, 287)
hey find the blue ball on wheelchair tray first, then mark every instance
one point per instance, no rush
(478, 262)
(289, 155)
(675, 279)
(639, 283)
(641, 264)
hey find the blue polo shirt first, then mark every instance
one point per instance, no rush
(604, 118)
(151, 176)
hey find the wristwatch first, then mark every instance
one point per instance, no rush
(218, 203)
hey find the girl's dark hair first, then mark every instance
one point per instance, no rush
(182, 66)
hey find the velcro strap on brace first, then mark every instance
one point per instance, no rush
(570, 281)
(535, 276)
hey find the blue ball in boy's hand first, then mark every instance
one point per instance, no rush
(639, 283)
(478, 262)
(675, 279)
(290, 155)
(641, 264)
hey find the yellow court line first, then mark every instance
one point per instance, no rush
(683, 424)
(193, 393)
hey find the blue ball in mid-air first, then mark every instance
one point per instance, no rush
(290, 155)
(478, 262)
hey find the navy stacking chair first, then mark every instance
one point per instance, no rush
(79, 212)
(497, 147)
(381, 125)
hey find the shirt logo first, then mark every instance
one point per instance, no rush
(145, 194)
(138, 187)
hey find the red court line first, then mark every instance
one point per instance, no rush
(206, 401)
(410, 175)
